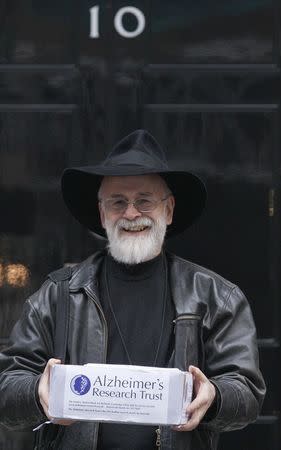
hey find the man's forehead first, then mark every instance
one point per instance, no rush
(138, 183)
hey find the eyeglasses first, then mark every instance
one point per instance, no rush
(119, 205)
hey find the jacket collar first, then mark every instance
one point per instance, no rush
(86, 276)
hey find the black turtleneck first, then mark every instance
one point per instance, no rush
(138, 294)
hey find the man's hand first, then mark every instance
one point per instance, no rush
(44, 388)
(205, 394)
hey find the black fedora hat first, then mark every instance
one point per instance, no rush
(136, 154)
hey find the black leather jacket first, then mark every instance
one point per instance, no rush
(214, 329)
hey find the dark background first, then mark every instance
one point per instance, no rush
(204, 78)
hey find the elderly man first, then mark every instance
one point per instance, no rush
(136, 304)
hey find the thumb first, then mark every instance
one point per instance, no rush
(197, 373)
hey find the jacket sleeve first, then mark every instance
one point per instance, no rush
(21, 365)
(232, 364)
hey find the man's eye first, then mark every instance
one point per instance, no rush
(118, 203)
(144, 203)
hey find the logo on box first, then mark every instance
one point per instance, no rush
(80, 385)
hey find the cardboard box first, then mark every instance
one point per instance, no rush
(120, 393)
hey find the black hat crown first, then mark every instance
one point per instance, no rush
(139, 149)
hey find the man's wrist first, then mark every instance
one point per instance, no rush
(37, 398)
(215, 406)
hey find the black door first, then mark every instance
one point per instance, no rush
(204, 77)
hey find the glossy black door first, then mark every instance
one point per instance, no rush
(204, 77)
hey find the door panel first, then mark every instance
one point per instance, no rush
(218, 32)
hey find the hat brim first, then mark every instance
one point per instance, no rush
(80, 188)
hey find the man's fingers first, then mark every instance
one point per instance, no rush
(192, 423)
(196, 411)
(44, 384)
(64, 422)
(205, 395)
(51, 363)
(198, 403)
(43, 391)
(197, 374)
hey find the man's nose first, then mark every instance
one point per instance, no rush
(131, 212)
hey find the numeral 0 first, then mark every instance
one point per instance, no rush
(118, 22)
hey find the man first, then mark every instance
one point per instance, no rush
(137, 304)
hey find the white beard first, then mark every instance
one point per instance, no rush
(135, 249)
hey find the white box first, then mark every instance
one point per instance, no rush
(120, 393)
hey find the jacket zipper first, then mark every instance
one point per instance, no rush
(158, 437)
(94, 298)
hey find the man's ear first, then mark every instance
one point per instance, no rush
(170, 205)
(102, 218)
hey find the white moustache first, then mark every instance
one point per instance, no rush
(138, 224)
